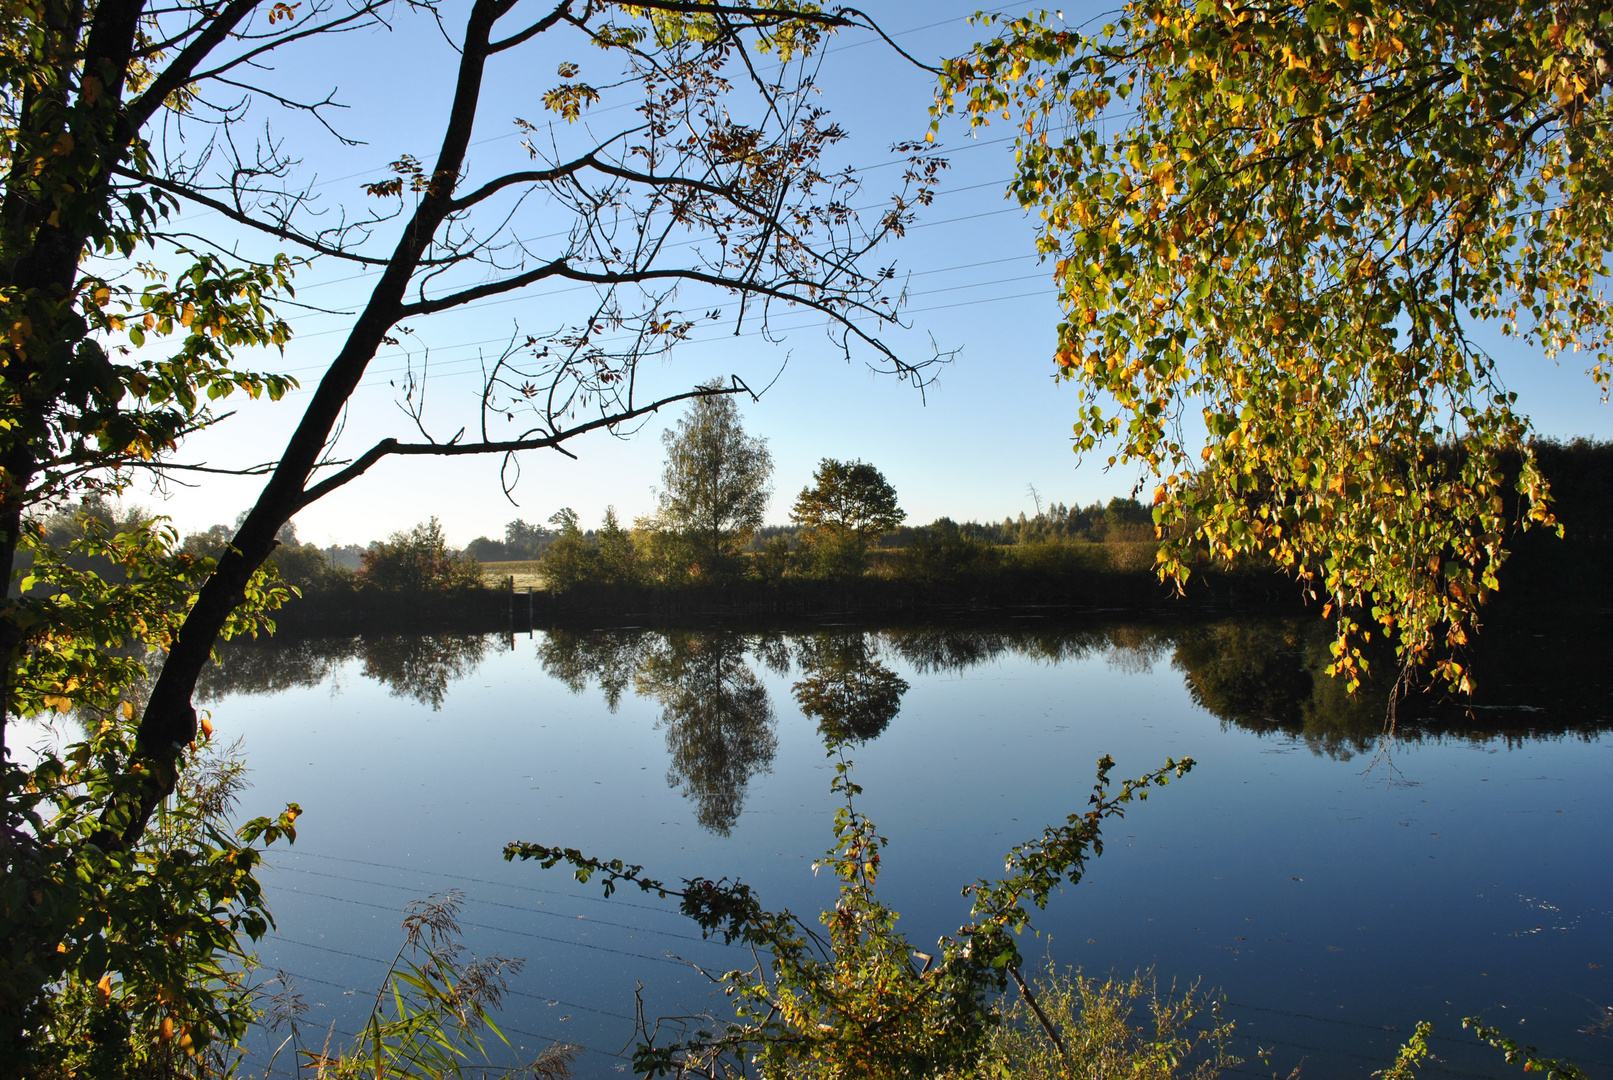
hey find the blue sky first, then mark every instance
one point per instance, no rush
(993, 423)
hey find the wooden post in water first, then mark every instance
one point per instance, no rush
(530, 618)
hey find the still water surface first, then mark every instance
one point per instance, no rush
(1335, 889)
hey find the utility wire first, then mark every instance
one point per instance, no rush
(1369, 1027)
(1244, 1006)
(519, 296)
(438, 362)
(376, 271)
(501, 930)
(437, 365)
(502, 1027)
(512, 907)
(480, 881)
(387, 963)
(436, 372)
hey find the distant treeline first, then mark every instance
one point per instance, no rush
(1122, 519)
(1100, 553)
(522, 543)
(1039, 559)
(1545, 571)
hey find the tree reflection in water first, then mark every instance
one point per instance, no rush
(1268, 676)
(845, 688)
(719, 722)
(419, 667)
(608, 657)
(1264, 675)
(268, 667)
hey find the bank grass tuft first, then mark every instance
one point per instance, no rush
(1113, 1026)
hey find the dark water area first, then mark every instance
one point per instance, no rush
(1336, 886)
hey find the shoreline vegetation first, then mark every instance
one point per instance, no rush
(1067, 559)
(945, 568)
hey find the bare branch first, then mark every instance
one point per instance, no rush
(391, 447)
(868, 23)
(185, 191)
(351, 21)
(263, 468)
(533, 176)
(179, 73)
(543, 24)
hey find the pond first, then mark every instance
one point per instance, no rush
(1336, 887)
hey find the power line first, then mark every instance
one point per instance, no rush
(512, 907)
(360, 275)
(1334, 1021)
(387, 963)
(504, 930)
(435, 368)
(438, 364)
(1366, 1026)
(580, 288)
(480, 881)
(521, 296)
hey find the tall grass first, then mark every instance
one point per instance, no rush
(1107, 1028)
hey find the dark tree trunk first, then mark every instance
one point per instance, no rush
(169, 722)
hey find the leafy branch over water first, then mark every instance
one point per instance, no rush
(857, 1000)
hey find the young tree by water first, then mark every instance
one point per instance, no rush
(858, 1002)
(1290, 220)
(715, 484)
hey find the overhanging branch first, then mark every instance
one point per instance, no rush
(185, 191)
(394, 448)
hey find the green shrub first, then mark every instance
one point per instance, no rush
(310, 571)
(1055, 559)
(941, 552)
(856, 1001)
(611, 556)
(418, 560)
(569, 560)
(145, 944)
(838, 557)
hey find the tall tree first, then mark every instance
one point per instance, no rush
(714, 486)
(97, 374)
(1290, 220)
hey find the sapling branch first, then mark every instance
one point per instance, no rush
(856, 998)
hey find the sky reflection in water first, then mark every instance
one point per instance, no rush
(1332, 890)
